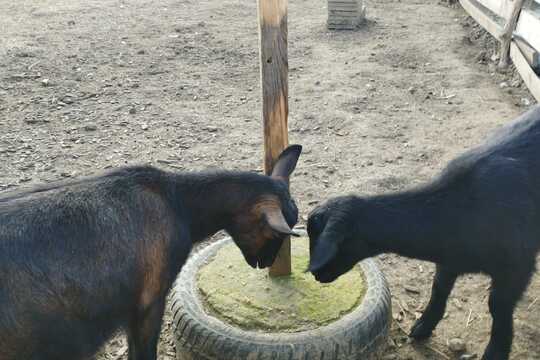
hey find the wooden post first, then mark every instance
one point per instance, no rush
(506, 37)
(274, 83)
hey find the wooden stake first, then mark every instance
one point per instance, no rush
(506, 37)
(274, 83)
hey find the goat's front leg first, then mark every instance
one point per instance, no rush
(143, 334)
(505, 293)
(442, 286)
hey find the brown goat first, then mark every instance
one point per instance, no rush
(80, 260)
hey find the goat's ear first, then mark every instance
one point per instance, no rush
(286, 163)
(323, 253)
(276, 221)
(326, 248)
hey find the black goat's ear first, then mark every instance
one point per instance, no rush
(286, 163)
(325, 251)
(275, 219)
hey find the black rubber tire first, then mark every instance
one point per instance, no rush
(198, 336)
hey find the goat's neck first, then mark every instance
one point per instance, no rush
(408, 224)
(211, 200)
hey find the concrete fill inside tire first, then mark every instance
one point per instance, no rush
(252, 300)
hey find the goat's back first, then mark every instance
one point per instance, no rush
(492, 193)
(70, 260)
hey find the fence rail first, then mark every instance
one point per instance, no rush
(516, 24)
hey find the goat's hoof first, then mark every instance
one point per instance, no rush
(492, 354)
(421, 330)
(494, 357)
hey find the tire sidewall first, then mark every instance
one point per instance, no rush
(357, 333)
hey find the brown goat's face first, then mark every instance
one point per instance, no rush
(260, 228)
(259, 231)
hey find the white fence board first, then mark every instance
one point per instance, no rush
(502, 8)
(528, 27)
(529, 77)
(487, 22)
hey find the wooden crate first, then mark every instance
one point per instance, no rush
(345, 14)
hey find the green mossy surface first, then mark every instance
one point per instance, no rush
(252, 300)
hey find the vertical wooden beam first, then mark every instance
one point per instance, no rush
(274, 83)
(506, 37)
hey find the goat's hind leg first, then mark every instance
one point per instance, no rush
(505, 294)
(443, 284)
(143, 334)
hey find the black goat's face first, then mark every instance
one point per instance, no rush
(334, 248)
(260, 229)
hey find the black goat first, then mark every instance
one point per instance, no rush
(482, 214)
(82, 259)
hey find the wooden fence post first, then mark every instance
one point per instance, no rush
(506, 37)
(274, 83)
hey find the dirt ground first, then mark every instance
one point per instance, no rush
(88, 85)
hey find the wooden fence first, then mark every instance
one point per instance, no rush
(516, 25)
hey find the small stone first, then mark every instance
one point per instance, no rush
(525, 102)
(144, 126)
(494, 57)
(412, 289)
(456, 345)
(90, 127)
(411, 90)
(132, 110)
(211, 129)
(141, 52)
(503, 85)
(481, 56)
(45, 82)
(31, 120)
